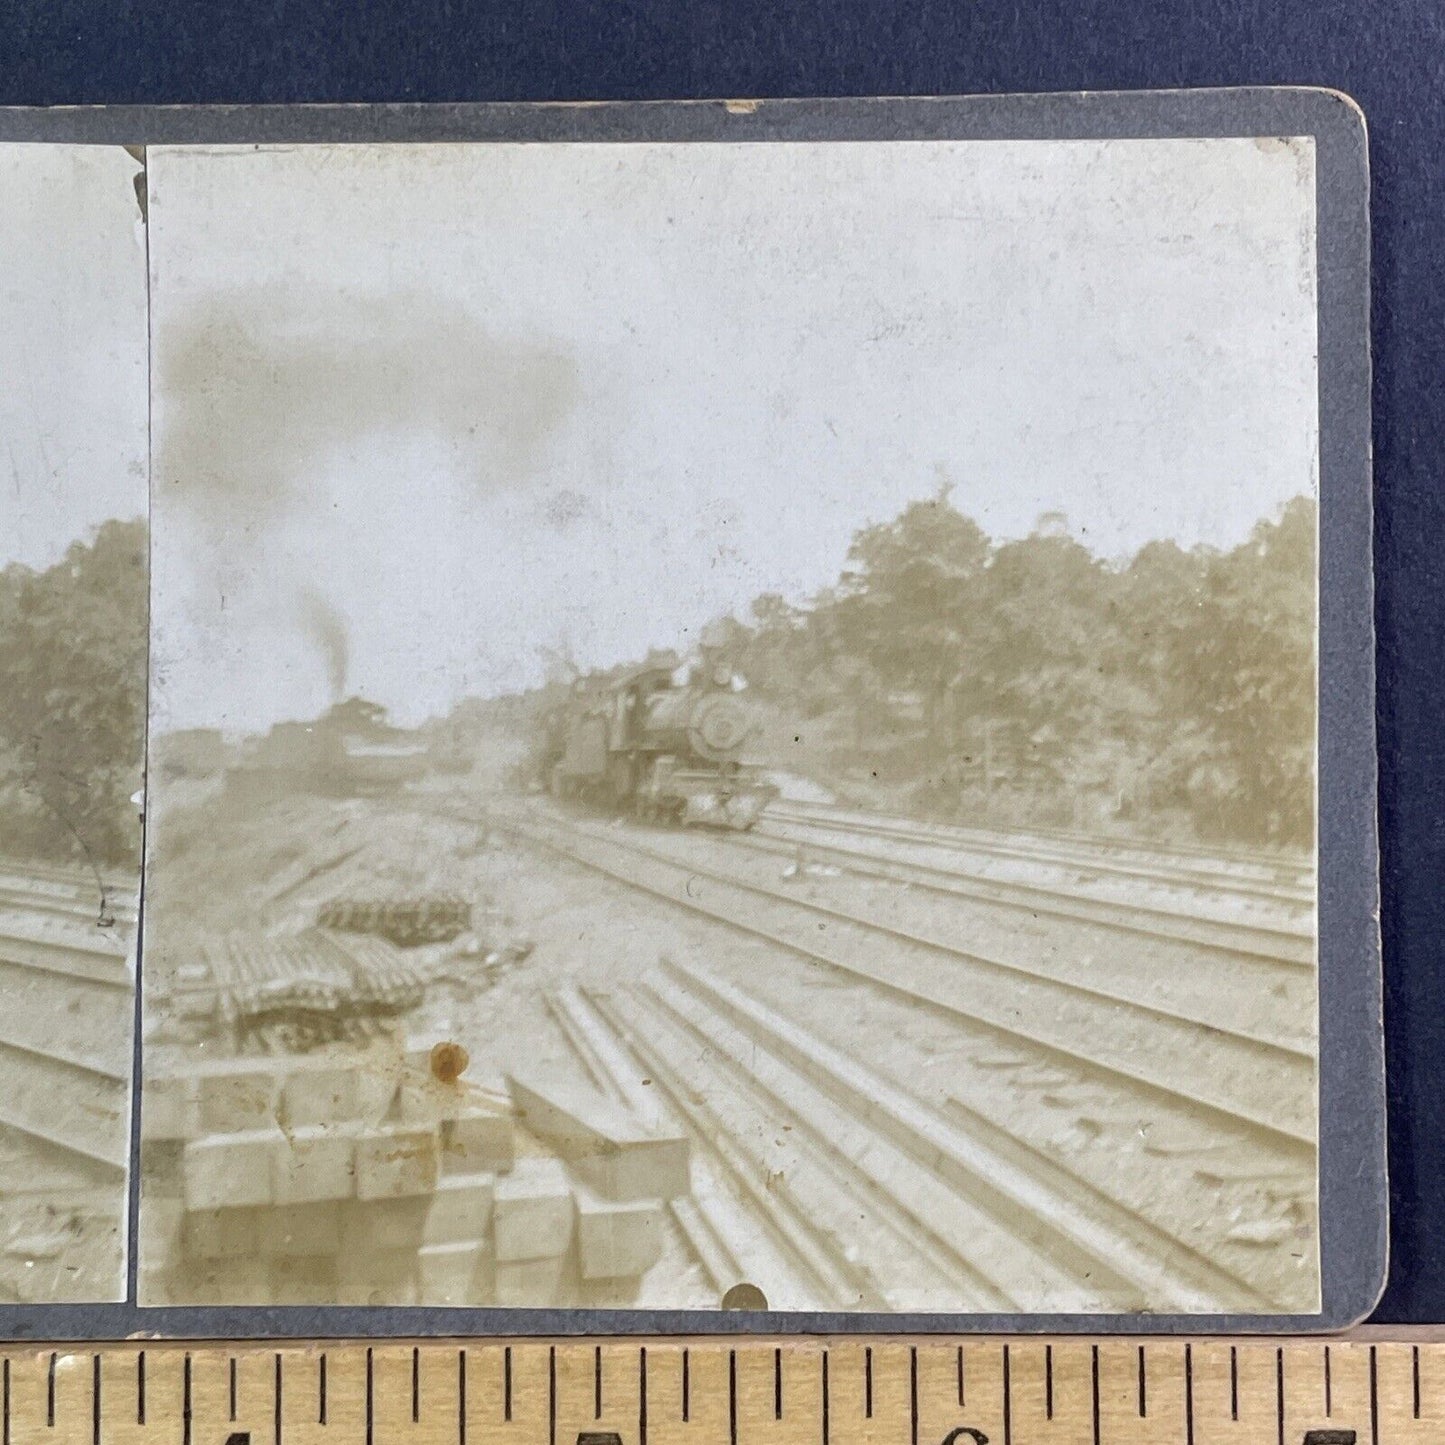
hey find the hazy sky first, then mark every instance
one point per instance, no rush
(72, 347)
(423, 411)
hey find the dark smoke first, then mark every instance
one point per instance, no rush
(323, 624)
(257, 387)
(260, 385)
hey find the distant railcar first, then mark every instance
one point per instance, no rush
(350, 751)
(664, 751)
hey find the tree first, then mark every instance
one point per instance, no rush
(1045, 680)
(1243, 670)
(907, 604)
(1179, 683)
(72, 700)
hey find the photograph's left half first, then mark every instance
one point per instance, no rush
(74, 480)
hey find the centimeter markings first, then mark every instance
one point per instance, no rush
(931, 1391)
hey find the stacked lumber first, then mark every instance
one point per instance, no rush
(350, 1179)
(364, 1178)
(621, 1171)
(619, 1157)
(301, 988)
(407, 920)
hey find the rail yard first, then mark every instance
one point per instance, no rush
(66, 940)
(912, 1067)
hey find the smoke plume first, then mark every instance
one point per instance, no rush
(260, 389)
(323, 624)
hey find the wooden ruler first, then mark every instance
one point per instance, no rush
(788, 1391)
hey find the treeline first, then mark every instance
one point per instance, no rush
(72, 701)
(1029, 681)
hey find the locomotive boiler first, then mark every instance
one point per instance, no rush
(662, 750)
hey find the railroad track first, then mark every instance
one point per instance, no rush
(802, 1203)
(66, 1028)
(1268, 863)
(83, 1018)
(1211, 1054)
(1269, 942)
(734, 1229)
(957, 1215)
(45, 954)
(1195, 972)
(91, 914)
(808, 1197)
(1039, 1112)
(75, 1105)
(1242, 883)
(1229, 862)
(94, 900)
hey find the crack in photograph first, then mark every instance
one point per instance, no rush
(733, 725)
(73, 504)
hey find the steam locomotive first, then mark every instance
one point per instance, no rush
(665, 750)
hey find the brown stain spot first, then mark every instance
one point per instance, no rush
(449, 1062)
(741, 107)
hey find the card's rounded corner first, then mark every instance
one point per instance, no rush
(1359, 1296)
(1336, 114)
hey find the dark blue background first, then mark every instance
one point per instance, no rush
(1390, 55)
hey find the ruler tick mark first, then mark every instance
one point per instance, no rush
(507, 1384)
(733, 1397)
(1279, 1391)
(193, 1415)
(1007, 1402)
(913, 1392)
(1374, 1401)
(641, 1395)
(462, 1394)
(1188, 1395)
(1095, 1378)
(825, 1398)
(960, 1376)
(6, 1391)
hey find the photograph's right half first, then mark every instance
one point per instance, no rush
(735, 725)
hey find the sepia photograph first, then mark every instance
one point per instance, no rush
(731, 726)
(73, 502)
